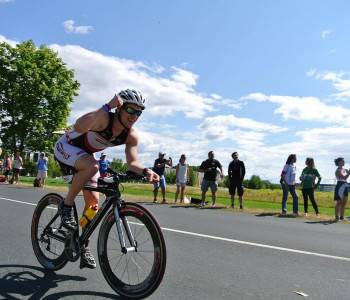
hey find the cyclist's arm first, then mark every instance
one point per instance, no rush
(131, 158)
(95, 120)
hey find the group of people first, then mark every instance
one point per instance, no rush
(210, 167)
(310, 179)
(15, 164)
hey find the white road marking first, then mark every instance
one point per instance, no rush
(229, 240)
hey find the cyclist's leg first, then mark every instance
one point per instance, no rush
(91, 198)
(86, 167)
(87, 260)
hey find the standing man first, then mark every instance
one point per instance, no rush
(103, 164)
(236, 173)
(158, 168)
(209, 167)
(42, 166)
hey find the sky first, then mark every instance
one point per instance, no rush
(263, 78)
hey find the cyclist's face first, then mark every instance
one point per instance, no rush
(130, 114)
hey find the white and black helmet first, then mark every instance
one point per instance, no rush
(133, 97)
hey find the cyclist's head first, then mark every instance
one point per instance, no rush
(132, 97)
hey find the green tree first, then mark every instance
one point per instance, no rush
(36, 89)
(255, 182)
(118, 165)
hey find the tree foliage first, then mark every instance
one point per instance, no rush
(36, 89)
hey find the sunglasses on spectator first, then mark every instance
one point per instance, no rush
(132, 111)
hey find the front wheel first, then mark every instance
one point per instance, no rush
(137, 274)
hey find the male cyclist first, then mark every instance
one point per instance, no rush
(93, 132)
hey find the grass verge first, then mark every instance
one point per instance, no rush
(255, 201)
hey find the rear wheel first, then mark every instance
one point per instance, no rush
(136, 274)
(46, 233)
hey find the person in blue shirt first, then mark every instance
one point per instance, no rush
(42, 167)
(159, 168)
(103, 165)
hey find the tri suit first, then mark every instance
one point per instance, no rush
(72, 145)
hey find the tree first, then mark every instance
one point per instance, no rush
(255, 182)
(36, 89)
(118, 165)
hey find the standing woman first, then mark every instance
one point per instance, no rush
(288, 184)
(341, 189)
(181, 178)
(17, 167)
(7, 167)
(307, 178)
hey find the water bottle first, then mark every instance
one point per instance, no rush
(88, 215)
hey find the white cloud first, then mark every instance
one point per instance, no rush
(102, 76)
(224, 127)
(339, 83)
(6, 1)
(326, 33)
(71, 28)
(304, 108)
(8, 41)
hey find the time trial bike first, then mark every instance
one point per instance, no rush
(131, 247)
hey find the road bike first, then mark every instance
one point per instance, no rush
(131, 247)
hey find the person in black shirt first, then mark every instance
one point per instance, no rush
(236, 172)
(209, 167)
(158, 168)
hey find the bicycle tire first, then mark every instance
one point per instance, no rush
(47, 205)
(146, 224)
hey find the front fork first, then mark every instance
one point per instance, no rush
(123, 220)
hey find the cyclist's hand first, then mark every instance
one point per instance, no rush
(152, 176)
(116, 102)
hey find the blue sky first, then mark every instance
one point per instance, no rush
(264, 78)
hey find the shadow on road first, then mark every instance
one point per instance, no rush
(18, 281)
(323, 222)
(268, 214)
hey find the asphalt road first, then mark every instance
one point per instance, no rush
(212, 254)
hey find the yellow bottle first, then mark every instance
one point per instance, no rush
(88, 215)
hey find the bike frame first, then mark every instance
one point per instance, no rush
(112, 199)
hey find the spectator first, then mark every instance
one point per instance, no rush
(341, 189)
(236, 173)
(288, 184)
(159, 168)
(42, 167)
(103, 165)
(7, 167)
(181, 178)
(308, 186)
(209, 167)
(17, 166)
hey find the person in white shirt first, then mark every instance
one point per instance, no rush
(288, 184)
(181, 178)
(17, 167)
(341, 189)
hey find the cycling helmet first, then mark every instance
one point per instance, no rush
(133, 97)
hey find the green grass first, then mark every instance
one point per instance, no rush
(257, 201)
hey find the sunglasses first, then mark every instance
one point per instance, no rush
(132, 111)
